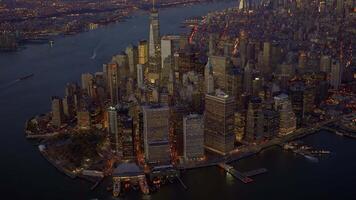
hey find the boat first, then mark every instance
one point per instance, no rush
(116, 187)
(25, 77)
(339, 133)
(94, 55)
(350, 136)
(321, 152)
(311, 158)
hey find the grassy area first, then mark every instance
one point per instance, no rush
(76, 149)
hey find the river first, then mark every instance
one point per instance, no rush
(27, 175)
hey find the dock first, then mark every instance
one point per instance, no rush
(255, 172)
(340, 132)
(229, 169)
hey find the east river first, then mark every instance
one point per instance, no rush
(25, 174)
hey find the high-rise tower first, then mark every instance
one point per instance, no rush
(154, 39)
(243, 5)
(219, 123)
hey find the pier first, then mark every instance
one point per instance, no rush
(340, 132)
(255, 172)
(229, 169)
(182, 183)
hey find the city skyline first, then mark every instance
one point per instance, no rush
(219, 92)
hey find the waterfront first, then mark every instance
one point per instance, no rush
(25, 168)
(38, 179)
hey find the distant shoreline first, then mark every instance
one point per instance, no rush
(51, 36)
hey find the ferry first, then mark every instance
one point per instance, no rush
(321, 152)
(116, 188)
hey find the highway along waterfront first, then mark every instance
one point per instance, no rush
(24, 169)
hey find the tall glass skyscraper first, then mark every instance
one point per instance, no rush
(154, 41)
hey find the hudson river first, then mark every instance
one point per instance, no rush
(25, 174)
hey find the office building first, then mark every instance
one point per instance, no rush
(140, 76)
(296, 93)
(287, 118)
(132, 57)
(336, 74)
(113, 130)
(169, 45)
(113, 83)
(219, 122)
(193, 137)
(87, 83)
(221, 67)
(156, 127)
(142, 52)
(270, 123)
(57, 111)
(209, 78)
(83, 120)
(325, 63)
(254, 120)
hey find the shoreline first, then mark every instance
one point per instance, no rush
(252, 152)
(52, 36)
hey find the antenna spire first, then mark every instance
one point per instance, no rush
(153, 4)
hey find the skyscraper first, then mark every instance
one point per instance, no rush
(156, 127)
(243, 47)
(235, 89)
(57, 111)
(287, 119)
(247, 78)
(340, 7)
(212, 44)
(325, 63)
(113, 83)
(242, 5)
(169, 44)
(68, 106)
(270, 123)
(266, 58)
(296, 92)
(87, 83)
(142, 52)
(219, 123)
(221, 67)
(126, 132)
(154, 41)
(209, 78)
(83, 120)
(140, 79)
(254, 120)
(113, 130)
(132, 57)
(336, 74)
(193, 137)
